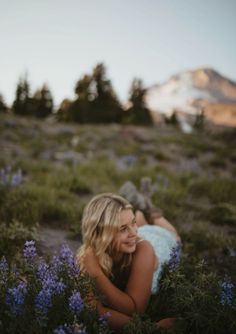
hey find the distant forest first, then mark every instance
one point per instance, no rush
(95, 102)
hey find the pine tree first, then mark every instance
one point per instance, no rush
(106, 107)
(3, 106)
(21, 104)
(138, 113)
(42, 102)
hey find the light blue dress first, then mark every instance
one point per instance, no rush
(163, 242)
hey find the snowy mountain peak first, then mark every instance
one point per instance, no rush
(182, 91)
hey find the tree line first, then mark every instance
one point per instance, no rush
(95, 101)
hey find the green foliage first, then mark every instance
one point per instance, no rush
(36, 204)
(19, 204)
(192, 294)
(13, 236)
(217, 189)
(199, 121)
(3, 106)
(96, 100)
(40, 105)
(222, 213)
(137, 113)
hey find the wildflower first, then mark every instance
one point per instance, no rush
(67, 255)
(4, 269)
(15, 298)
(56, 264)
(175, 257)
(42, 269)
(227, 293)
(9, 179)
(62, 329)
(103, 318)
(59, 330)
(30, 250)
(76, 303)
(43, 301)
(16, 178)
(232, 251)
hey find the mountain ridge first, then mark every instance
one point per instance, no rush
(190, 91)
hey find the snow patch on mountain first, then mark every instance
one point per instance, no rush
(176, 94)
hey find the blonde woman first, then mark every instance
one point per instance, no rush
(119, 243)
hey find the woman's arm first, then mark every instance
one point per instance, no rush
(138, 290)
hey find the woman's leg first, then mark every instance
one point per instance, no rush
(156, 219)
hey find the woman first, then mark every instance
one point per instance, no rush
(112, 247)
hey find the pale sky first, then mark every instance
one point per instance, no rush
(57, 41)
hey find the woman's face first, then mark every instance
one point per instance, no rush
(125, 239)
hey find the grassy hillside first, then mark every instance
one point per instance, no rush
(50, 170)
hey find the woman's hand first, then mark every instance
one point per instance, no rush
(166, 323)
(91, 263)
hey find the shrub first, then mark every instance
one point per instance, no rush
(19, 204)
(216, 189)
(222, 213)
(202, 301)
(12, 237)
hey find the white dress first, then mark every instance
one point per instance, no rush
(163, 241)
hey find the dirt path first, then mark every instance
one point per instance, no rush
(51, 239)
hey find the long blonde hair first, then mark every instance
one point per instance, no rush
(100, 223)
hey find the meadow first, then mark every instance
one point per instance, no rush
(50, 170)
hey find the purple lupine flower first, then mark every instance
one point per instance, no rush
(76, 303)
(49, 279)
(232, 251)
(67, 255)
(43, 301)
(4, 177)
(56, 264)
(4, 270)
(42, 269)
(59, 330)
(175, 257)
(15, 298)
(16, 178)
(103, 318)
(82, 330)
(30, 250)
(65, 329)
(9, 179)
(228, 296)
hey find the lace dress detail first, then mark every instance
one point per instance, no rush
(162, 241)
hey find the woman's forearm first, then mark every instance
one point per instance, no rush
(116, 320)
(115, 298)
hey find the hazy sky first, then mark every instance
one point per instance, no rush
(57, 41)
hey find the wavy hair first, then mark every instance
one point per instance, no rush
(100, 223)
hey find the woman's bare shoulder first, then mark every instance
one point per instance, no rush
(144, 247)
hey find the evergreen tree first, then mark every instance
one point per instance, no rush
(199, 120)
(21, 104)
(172, 119)
(105, 106)
(3, 106)
(42, 102)
(63, 111)
(138, 113)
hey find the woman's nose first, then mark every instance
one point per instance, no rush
(133, 230)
